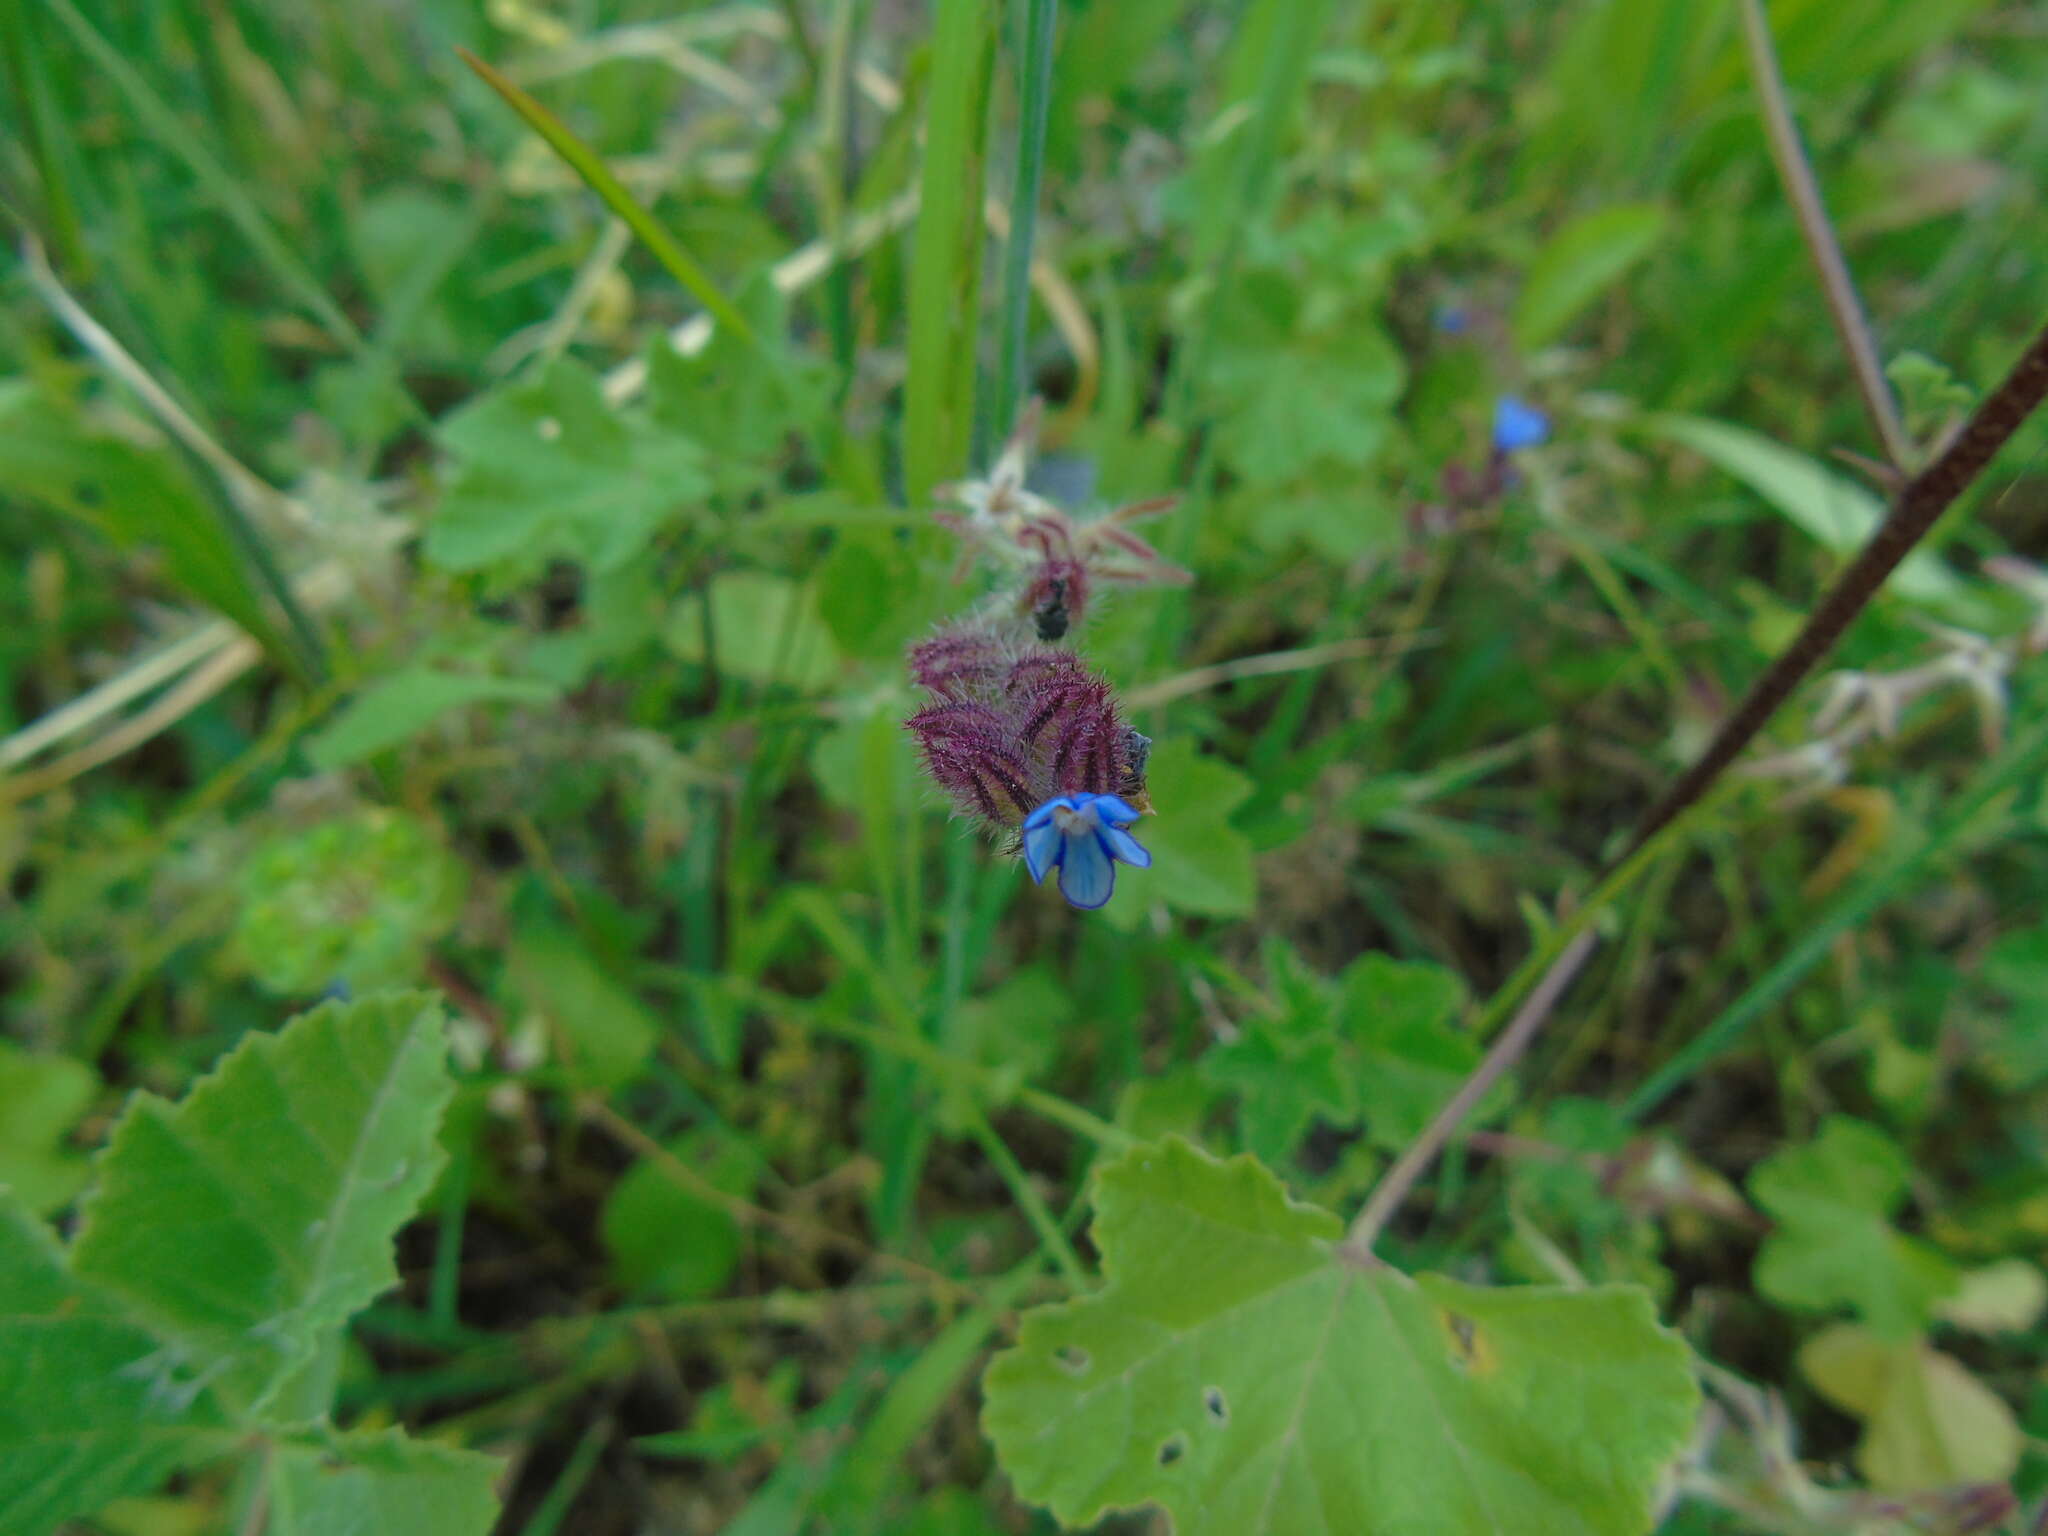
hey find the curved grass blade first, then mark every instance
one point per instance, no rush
(597, 176)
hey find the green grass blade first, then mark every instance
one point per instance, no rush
(165, 126)
(1035, 95)
(945, 277)
(42, 127)
(2025, 759)
(597, 176)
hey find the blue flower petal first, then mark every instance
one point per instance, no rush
(1122, 845)
(1111, 809)
(1517, 424)
(1043, 815)
(1042, 845)
(1086, 874)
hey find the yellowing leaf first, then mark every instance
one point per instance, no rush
(2006, 1297)
(1239, 1372)
(1928, 1423)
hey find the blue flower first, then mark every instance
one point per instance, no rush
(1083, 837)
(1517, 424)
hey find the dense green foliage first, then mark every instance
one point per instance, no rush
(499, 1032)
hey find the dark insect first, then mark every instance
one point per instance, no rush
(1051, 612)
(1137, 752)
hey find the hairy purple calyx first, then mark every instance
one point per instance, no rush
(1006, 731)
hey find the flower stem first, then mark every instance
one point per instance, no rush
(1837, 286)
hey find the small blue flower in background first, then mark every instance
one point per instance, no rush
(1452, 320)
(1517, 424)
(1083, 837)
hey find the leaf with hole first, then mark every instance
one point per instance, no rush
(1237, 1371)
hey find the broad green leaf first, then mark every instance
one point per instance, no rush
(250, 1218)
(380, 1484)
(1928, 1423)
(1834, 1244)
(669, 1240)
(1316, 1056)
(1400, 1020)
(1579, 263)
(1283, 1084)
(1837, 512)
(545, 470)
(601, 1029)
(1288, 411)
(92, 1407)
(1237, 1371)
(764, 629)
(355, 901)
(397, 708)
(744, 400)
(136, 496)
(41, 1099)
(1200, 862)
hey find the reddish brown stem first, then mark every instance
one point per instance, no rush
(1919, 506)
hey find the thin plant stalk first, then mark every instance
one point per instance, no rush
(1035, 104)
(1918, 507)
(1030, 1202)
(1845, 307)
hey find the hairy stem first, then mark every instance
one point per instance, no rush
(1919, 506)
(1395, 1183)
(1929, 494)
(1844, 307)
